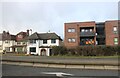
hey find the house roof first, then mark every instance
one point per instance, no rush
(44, 36)
(0, 36)
(7, 37)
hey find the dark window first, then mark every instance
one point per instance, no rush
(18, 43)
(45, 41)
(33, 49)
(53, 40)
(32, 41)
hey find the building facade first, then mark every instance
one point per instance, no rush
(6, 42)
(13, 43)
(92, 33)
(41, 43)
(21, 42)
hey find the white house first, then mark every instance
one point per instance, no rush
(6, 42)
(41, 43)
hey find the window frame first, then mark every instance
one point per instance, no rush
(115, 31)
(116, 42)
(33, 48)
(45, 41)
(53, 41)
(71, 30)
(71, 40)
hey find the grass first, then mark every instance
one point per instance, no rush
(65, 56)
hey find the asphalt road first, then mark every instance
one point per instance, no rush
(13, 71)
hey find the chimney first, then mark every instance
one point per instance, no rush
(4, 32)
(30, 31)
(27, 32)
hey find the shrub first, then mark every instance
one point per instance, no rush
(58, 50)
(87, 50)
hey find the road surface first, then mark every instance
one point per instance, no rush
(14, 71)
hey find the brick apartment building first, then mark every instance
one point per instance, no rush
(92, 33)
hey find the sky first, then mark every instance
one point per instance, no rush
(44, 16)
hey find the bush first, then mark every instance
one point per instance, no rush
(59, 50)
(87, 50)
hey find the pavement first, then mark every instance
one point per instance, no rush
(44, 61)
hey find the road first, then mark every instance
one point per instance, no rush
(14, 71)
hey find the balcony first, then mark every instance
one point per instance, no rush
(87, 34)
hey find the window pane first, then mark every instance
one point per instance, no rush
(115, 29)
(115, 39)
(71, 30)
(71, 40)
(32, 49)
(44, 41)
(115, 42)
(53, 41)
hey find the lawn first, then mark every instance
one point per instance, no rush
(65, 56)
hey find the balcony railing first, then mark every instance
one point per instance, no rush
(87, 34)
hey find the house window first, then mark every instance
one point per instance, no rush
(45, 41)
(71, 40)
(18, 43)
(53, 40)
(71, 30)
(32, 49)
(115, 29)
(32, 41)
(24, 43)
(6, 42)
(115, 40)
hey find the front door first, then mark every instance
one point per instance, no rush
(43, 52)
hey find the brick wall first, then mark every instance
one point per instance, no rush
(110, 35)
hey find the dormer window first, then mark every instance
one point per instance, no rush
(53, 40)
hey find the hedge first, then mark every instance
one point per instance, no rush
(87, 50)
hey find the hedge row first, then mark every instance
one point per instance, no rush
(87, 50)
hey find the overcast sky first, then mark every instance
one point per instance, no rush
(45, 16)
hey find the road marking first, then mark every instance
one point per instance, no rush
(59, 74)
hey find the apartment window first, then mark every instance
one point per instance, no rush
(53, 40)
(45, 41)
(32, 49)
(71, 40)
(115, 40)
(32, 41)
(83, 30)
(71, 30)
(115, 29)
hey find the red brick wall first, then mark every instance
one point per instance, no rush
(110, 35)
(75, 35)
(71, 35)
